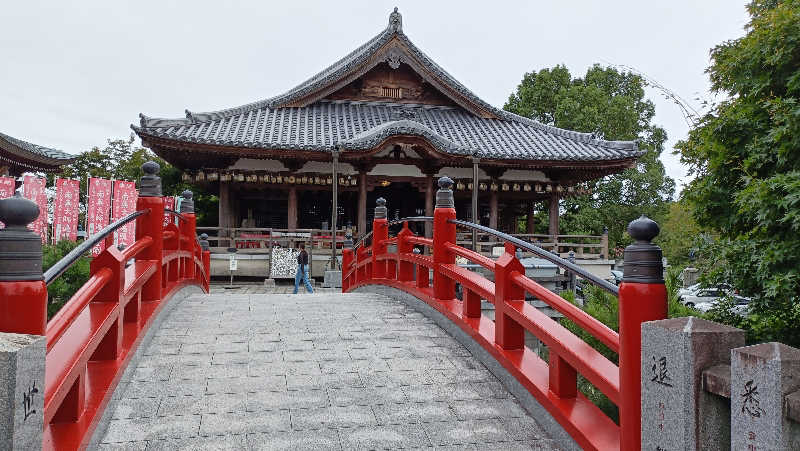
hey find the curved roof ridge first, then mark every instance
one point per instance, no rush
(40, 151)
(368, 139)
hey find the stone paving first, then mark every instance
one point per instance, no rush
(234, 370)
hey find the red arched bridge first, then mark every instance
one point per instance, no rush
(400, 359)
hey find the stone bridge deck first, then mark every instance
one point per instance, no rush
(322, 371)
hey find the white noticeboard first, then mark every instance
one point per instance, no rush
(232, 263)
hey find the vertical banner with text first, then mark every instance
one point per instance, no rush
(169, 203)
(6, 190)
(124, 204)
(33, 189)
(65, 210)
(98, 209)
(6, 187)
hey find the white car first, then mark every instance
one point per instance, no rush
(691, 289)
(740, 307)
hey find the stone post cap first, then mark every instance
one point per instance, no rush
(187, 204)
(203, 240)
(692, 325)
(150, 183)
(444, 196)
(380, 209)
(20, 247)
(643, 259)
(769, 352)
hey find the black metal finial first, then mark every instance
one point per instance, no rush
(203, 240)
(380, 209)
(643, 259)
(150, 183)
(187, 203)
(643, 230)
(444, 196)
(20, 247)
(348, 239)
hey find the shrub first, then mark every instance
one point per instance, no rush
(62, 289)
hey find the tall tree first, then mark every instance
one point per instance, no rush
(612, 105)
(745, 155)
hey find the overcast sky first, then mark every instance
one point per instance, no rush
(77, 73)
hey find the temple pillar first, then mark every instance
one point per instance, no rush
(428, 204)
(362, 202)
(291, 211)
(530, 225)
(493, 209)
(553, 215)
(225, 210)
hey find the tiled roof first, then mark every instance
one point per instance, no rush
(32, 152)
(328, 125)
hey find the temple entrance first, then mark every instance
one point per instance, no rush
(402, 200)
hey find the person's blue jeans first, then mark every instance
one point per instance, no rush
(302, 273)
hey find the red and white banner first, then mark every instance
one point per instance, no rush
(33, 189)
(124, 204)
(6, 190)
(169, 203)
(65, 210)
(97, 210)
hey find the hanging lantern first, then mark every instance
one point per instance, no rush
(353, 182)
(469, 185)
(252, 178)
(516, 187)
(549, 188)
(213, 176)
(526, 187)
(493, 186)
(538, 187)
(290, 179)
(200, 176)
(559, 188)
(279, 179)
(264, 178)
(224, 177)
(239, 177)
(316, 180)
(504, 187)
(482, 186)
(272, 179)
(304, 180)
(341, 181)
(186, 177)
(460, 185)
(329, 181)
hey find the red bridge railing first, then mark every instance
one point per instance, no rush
(642, 297)
(92, 338)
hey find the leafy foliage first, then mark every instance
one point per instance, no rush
(680, 235)
(120, 159)
(612, 105)
(744, 154)
(62, 289)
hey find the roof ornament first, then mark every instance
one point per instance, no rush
(189, 116)
(396, 21)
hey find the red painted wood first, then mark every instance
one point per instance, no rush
(444, 232)
(23, 307)
(509, 333)
(563, 378)
(638, 302)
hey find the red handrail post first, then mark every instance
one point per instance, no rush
(443, 232)
(347, 262)
(380, 232)
(23, 293)
(205, 256)
(112, 258)
(188, 229)
(405, 269)
(152, 225)
(642, 297)
(508, 333)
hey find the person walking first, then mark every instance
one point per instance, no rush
(302, 270)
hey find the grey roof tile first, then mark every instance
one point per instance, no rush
(327, 125)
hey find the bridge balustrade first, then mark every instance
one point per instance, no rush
(91, 339)
(399, 262)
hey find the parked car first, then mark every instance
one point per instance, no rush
(740, 307)
(692, 290)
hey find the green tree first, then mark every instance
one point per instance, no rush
(744, 155)
(680, 234)
(612, 105)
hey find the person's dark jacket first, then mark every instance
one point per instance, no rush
(302, 257)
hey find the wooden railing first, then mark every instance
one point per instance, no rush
(91, 339)
(553, 383)
(583, 246)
